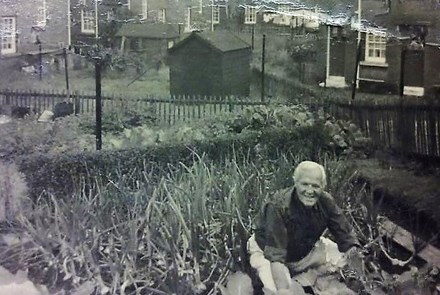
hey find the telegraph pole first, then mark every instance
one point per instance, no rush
(69, 30)
(263, 56)
(66, 71)
(96, 21)
(358, 38)
(356, 71)
(98, 106)
(253, 37)
(40, 58)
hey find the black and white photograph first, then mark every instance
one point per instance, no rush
(219, 147)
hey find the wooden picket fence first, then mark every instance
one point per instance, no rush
(410, 127)
(168, 110)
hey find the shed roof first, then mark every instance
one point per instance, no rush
(148, 30)
(223, 41)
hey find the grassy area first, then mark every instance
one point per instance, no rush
(152, 82)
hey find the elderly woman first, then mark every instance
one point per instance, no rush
(288, 238)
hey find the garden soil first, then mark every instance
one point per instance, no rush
(407, 189)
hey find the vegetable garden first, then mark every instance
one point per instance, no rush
(167, 211)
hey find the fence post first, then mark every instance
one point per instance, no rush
(433, 137)
(231, 107)
(199, 101)
(8, 96)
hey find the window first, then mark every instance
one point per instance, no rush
(215, 14)
(41, 16)
(334, 32)
(144, 9)
(8, 31)
(110, 15)
(87, 21)
(161, 16)
(250, 15)
(284, 8)
(375, 48)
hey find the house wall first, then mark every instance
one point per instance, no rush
(202, 21)
(236, 73)
(412, 11)
(414, 68)
(350, 56)
(106, 27)
(150, 49)
(199, 75)
(387, 75)
(53, 35)
(393, 59)
(431, 70)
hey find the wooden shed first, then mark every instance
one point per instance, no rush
(151, 39)
(210, 63)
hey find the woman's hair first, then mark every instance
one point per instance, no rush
(306, 165)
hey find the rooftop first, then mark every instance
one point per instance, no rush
(221, 40)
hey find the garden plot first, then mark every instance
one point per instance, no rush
(182, 229)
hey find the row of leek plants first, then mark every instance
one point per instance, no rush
(180, 233)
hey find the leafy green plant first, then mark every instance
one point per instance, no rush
(25, 136)
(177, 234)
(115, 120)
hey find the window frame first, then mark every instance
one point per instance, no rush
(375, 45)
(215, 14)
(88, 25)
(250, 14)
(11, 39)
(161, 17)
